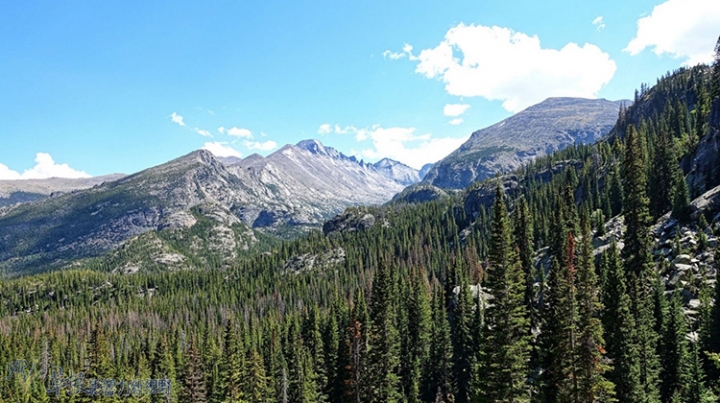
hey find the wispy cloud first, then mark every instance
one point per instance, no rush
(239, 132)
(456, 121)
(599, 23)
(177, 119)
(360, 134)
(393, 55)
(256, 145)
(202, 132)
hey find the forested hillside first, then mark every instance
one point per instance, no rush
(517, 290)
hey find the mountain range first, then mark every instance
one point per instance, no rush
(238, 201)
(284, 194)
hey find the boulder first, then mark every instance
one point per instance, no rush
(682, 259)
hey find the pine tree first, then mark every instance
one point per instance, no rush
(335, 355)
(681, 196)
(674, 358)
(383, 343)
(356, 370)
(615, 191)
(419, 326)
(638, 261)
(439, 384)
(315, 345)
(593, 385)
(504, 365)
(712, 343)
(664, 175)
(254, 380)
(99, 366)
(302, 387)
(193, 381)
(275, 363)
(163, 367)
(562, 370)
(463, 353)
(715, 79)
(524, 241)
(619, 323)
(559, 337)
(232, 366)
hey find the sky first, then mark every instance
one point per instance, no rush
(89, 88)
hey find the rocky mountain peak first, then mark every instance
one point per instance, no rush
(312, 145)
(534, 132)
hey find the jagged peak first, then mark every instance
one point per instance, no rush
(389, 162)
(314, 146)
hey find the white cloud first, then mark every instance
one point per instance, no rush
(455, 109)
(324, 129)
(498, 63)
(399, 143)
(202, 132)
(45, 167)
(221, 130)
(177, 119)
(7, 173)
(238, 132)
(393, 143)
(221, 149)
(256, 145)
(599, 23)
(393, 55)
(684, 29)
(456, 121)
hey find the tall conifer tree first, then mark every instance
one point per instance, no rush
(638, 261)
(506, 354)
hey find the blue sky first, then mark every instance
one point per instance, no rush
(97, 87)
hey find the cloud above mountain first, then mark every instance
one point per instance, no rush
(45, 167)
(497, 63)
(402, 144)
(221, 149)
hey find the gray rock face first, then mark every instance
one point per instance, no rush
(397, 171)
(537, 131)
(351, 220)
(305, 184)
(425, 169)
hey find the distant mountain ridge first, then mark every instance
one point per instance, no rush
(534, 132)
(291, 190)
(26, 190)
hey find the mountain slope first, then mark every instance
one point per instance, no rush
(290, 191)
(304, 184)
(92, 221)
(537, 131)
(25, 190)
